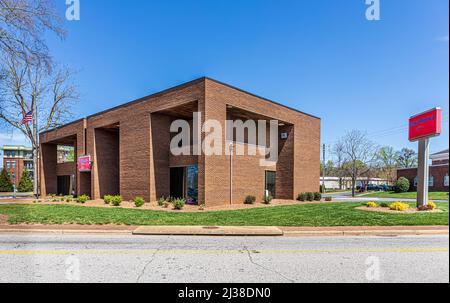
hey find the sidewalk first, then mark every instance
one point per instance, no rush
(228, 231)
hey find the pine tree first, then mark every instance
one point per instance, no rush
(5, 182)
(25, 184)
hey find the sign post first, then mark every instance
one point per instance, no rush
(422, 127)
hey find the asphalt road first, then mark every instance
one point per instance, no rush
(83, 258)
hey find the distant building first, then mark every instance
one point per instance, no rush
(346, 183)
(439, 173)
(16, 159)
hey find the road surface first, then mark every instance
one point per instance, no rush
(92, 258)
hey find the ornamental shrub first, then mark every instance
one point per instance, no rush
(384, 205)
(310, 197)
(267, 199)
(108, 199)
(402, 185)
(161, 201)
(116, 200)
(328, 199)
(139, 201)
(372, 205)
(317, 196)
(399, 206)
(250, 200)
(178, 204)
(432, 205)
(301, 197)
(83, 199)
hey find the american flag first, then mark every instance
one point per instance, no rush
(28, 118)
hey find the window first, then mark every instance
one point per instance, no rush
(446, 180)
(8, 164)
(271, 177)
(13, 165)
(430, 181)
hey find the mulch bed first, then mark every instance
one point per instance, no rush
(387, 210)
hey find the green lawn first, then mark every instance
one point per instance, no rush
(409, 195)
(332, 214)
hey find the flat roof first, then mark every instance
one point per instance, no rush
(16, 147)
(186, 84)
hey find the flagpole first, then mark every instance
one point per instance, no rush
(35, 151)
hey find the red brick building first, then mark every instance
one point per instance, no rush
(130, 152)
(439, 173)
(16, 159)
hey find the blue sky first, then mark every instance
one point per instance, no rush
(320, 56)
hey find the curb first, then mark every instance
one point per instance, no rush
(66, 232)
(368, 233)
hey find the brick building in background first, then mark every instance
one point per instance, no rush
(439, 173)
(16, 159)
(129, 147)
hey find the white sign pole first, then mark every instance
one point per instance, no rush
(423, 172)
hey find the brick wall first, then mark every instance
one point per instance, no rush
(437, 172)
(143, 151)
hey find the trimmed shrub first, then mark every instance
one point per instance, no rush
(83, 199)
(328, 199)
(384, 205)
(317, 197)
(301, 197)
(372, 205)
(250, 200)
(178, 204)
(116, 200)
(108, 199)
(399, 206)
(139, 201)
(25, 184)
(267, 199)
(6, 185)
(402, 185)
(310, 197)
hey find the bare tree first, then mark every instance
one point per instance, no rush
(388, 163)
(22, 27)
(25, 88)
(359, 155)
(339, 156)
(407, 158)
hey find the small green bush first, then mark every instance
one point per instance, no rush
(83, 199)
(402, 185)
(317, 196)
(139, 201)
(301, 197)
(108, 199)
(116, 200)
(328, 199)
(267, 199)
(5, 182)
(161, 201)
(384, 205)
(178, 204)
(323, 189)
(250, 200)
(310, 197)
